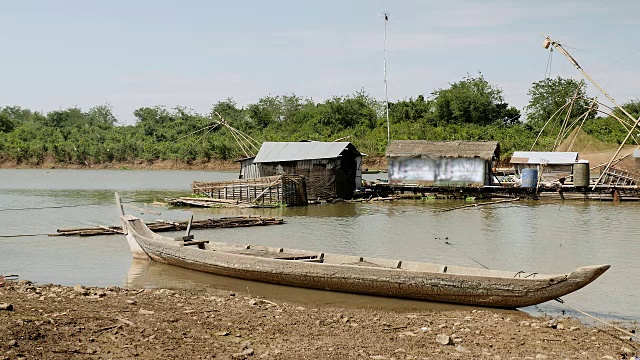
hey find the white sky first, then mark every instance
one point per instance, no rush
(129, 54)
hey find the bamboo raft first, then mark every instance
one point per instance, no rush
(164, 225)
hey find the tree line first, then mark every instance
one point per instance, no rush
(469, 109)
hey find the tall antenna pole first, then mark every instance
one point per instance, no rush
(385, 16)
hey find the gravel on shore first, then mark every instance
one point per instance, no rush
(61, 322)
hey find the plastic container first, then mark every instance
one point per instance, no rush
(529, 178)
(581, 174)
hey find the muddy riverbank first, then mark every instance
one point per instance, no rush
(214, 164)
(369, 163)
(49, 321)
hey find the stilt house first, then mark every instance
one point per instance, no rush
(331, 169)
(442, 163)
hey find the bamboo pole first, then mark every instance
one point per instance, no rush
(616, 154)
(253, 142)
(566, 120)
(584, 118)
(623, 122)
(564, 52)
(279, 179)
(547, 123)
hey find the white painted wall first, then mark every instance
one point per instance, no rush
(437, 170)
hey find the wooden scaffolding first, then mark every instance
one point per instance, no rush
(279, 189)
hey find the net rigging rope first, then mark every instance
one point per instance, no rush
(547, 71)
(48, 207)
(595, 318)
(53, 207)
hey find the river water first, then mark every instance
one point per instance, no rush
(549, 237)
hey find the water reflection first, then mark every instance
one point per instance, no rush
(338, 210)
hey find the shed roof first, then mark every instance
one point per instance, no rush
(308, 150)
(458, 149)
(540, 157)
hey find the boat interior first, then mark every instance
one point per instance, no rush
(326, 258)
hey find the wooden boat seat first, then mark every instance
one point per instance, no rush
(362, 261)
(296, 257)
(369, 264)
(184, 238)
(301, 257)
(199, 243)
(264, 252)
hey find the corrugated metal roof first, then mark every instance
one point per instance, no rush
(457, 149)
(293, 151)
(542, 157)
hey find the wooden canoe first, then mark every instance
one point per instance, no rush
(383, 277)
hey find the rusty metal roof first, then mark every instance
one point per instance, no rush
(457, 149)
(544, 157)
(308, 150)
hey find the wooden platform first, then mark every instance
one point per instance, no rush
(558, 192)
(163, 225)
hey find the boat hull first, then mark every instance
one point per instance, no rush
(470, 288)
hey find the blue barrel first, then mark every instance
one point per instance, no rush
(529, 178)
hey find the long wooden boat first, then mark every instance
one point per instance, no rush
(356, 274)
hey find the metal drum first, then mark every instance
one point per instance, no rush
(581, 174)
(529, 178)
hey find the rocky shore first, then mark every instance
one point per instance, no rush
(58, 322)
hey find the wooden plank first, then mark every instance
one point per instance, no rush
(197, 242)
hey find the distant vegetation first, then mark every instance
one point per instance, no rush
(470, 109)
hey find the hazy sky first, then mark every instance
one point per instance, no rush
(129, 54)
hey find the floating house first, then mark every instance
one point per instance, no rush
(331, 169)
(442, 163)
(550, 166)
